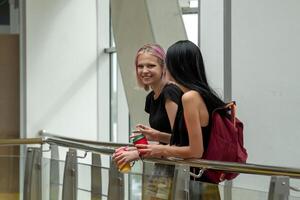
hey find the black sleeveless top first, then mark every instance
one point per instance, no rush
(180, 135)
(158, 117)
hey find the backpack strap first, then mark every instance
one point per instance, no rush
(233, 112)
(232, 107)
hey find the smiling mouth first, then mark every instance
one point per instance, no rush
(146, 77)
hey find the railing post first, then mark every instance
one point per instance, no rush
(116, 183)
(228, 190)
(180, 189)
(69, 191)
(54, 172)
(279, 188)
(33, 175)
(96, 177)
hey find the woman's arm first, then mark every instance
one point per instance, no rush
(153, 134)
(171, 108)
(193, 106)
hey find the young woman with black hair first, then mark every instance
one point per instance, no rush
(192, 126)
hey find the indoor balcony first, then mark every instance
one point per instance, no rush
(54, 167)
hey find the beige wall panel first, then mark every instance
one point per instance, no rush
(9, 111)
(131, 28)
(9, 86)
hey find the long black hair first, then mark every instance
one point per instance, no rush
(185, 63)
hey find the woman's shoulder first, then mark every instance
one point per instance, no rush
(171, 86)
(173, 92)
(192, 97)
(172, 89)
(193, 102)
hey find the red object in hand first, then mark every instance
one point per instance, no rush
(139, 139)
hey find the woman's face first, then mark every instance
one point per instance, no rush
(149, 70)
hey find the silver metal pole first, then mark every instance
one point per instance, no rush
(54, 173)
(180, 189)
(96, 177)
(20, 141)
(228, 190)
(279, 188)
(199, 23)
(227, 50)
(33, 175)
(116, 183)
(69, 191)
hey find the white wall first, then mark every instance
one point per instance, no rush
(123, 131)
(211, 42)
(265, 70)
(61, 68)
(266, 62)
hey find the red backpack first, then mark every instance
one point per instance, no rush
(225, 143)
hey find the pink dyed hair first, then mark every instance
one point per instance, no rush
(154, 50)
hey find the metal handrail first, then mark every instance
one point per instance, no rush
(206, 164)
(81, 146)
(247, 168)
(44, 133)
(8, 142)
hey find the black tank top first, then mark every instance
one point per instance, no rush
(180, 134)
(158, 117)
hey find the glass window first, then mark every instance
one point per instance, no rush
(4, 12)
